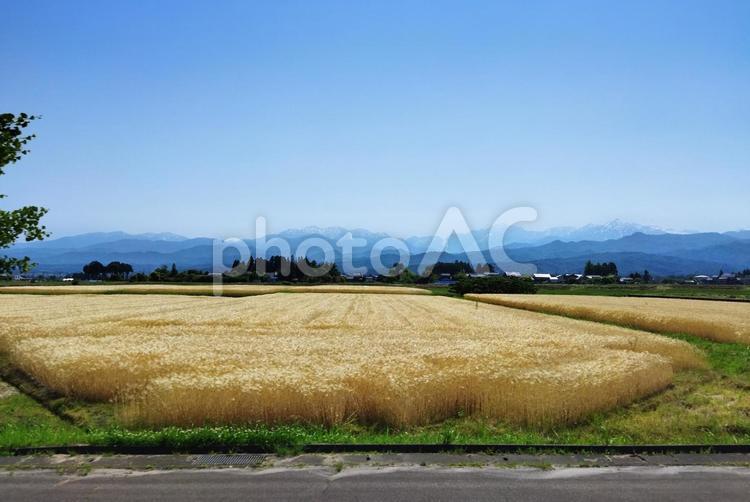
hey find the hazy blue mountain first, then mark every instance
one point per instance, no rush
(199, 257)
(332, 234)
(736, 253)
(664, 244)
(90, 239)
(739, 234)
(662, 253)
(615, 229)
(519, 236)
(134, 245)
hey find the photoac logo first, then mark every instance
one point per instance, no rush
(277, 251)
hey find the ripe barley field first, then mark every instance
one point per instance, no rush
(329, 359)
(714, 320)
(232, 290)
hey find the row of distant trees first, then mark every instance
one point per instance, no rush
(285, 268)
(457, 267)
(260, 269)
(494, 284)
(118, 271)
(288, 269)
(401, 274)
(604, 269)
(644, 277)
(114, 270)
(294, 270)
(610, 270)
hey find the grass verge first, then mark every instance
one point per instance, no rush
(23, 422)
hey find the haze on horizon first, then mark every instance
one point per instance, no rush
(197, 117)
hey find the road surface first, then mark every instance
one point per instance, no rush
(397, 483)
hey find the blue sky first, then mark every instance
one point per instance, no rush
(196, 117)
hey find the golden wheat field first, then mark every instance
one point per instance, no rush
(715, 320)
(386, 359)
(234, 290)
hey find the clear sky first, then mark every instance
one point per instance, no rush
(196, 117)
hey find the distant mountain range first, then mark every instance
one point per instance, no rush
(615, 229)
(558, 250)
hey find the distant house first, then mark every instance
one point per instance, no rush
(271, 276)
(445, 280)
(354, 277)
(703, 279)
(542, 277)
(481, 275)
(570, 278)
(513, 274)
(725, 279)
(626, 280)
(68, 279)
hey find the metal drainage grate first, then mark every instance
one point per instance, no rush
(251, 459)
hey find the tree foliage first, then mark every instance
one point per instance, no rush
(400, 274)
(646, 277)
(118, 270)
(23, 222)
(114, 270)
(454, 268)
(603, 269)
(294, 269)
(94, 270)
(497, 284)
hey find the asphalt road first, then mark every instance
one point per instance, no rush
(408, 484)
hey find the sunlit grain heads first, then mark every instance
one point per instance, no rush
(714, 320)
(330, 358)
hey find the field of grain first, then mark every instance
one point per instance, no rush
(384, 359)
(714, 320)
(233, 290)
